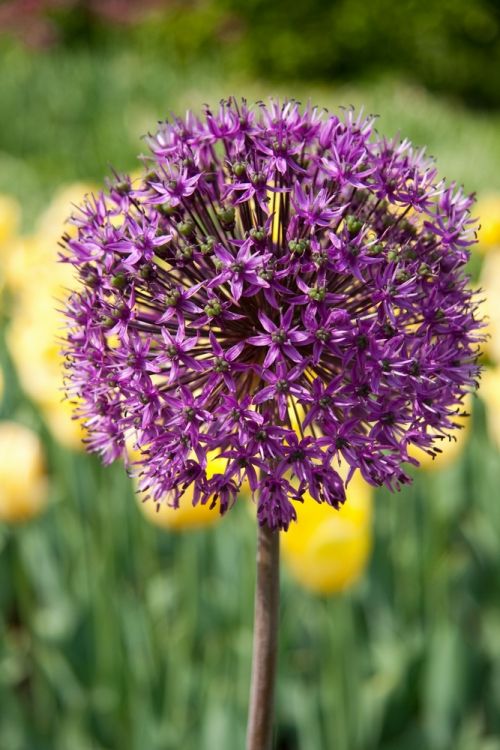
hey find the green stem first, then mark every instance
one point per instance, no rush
(265, 641)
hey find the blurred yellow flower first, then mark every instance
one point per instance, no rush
(490, 393)
(38, 282)
(34, 268)
(54, 220)
(187, 516)
(488, 210)
(183, 518)
(23, 481)
(60, 420)
(35, 351)
(32, 341)
(450, 448)
(10, 218)
(23, 253)
(490, 284)
(327, 550)
(487, 330)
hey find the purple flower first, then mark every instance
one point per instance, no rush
(279, 338)
(286, 290)
(241, 271)
(174, 356)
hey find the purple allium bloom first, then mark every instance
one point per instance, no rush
(284, 289)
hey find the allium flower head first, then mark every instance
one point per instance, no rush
(283, 289)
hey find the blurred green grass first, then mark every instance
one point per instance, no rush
(70, 116)
(116, 635)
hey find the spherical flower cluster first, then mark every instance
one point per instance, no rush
(283, 289)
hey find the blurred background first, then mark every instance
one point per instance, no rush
(123, 628)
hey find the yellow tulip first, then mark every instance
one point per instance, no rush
(22, 255)
(32, 265)
(490, 393)
(450, 448)
(59, 418)
(23, 481)
(54, 221)
(327, 550)
(487, 330)
(39, 282)
(488, 210)
(10, 217)
(32, 341)
(35, 350)
(184, 518)
(187, 516)
(490, 283)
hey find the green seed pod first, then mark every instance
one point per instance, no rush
(167, 210)
(207, 246)
(353, 225)
(226, 215)
(317, 294)
(185, 228)
(119, 281)
(258, 234)
(147, 272)
(239, 168)
(172, 297)
(213, 308)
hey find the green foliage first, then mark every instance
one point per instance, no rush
(115, 634)
(68, 116)
(451, 46)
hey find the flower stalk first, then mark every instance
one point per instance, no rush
(282, 289)
(265, 641)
